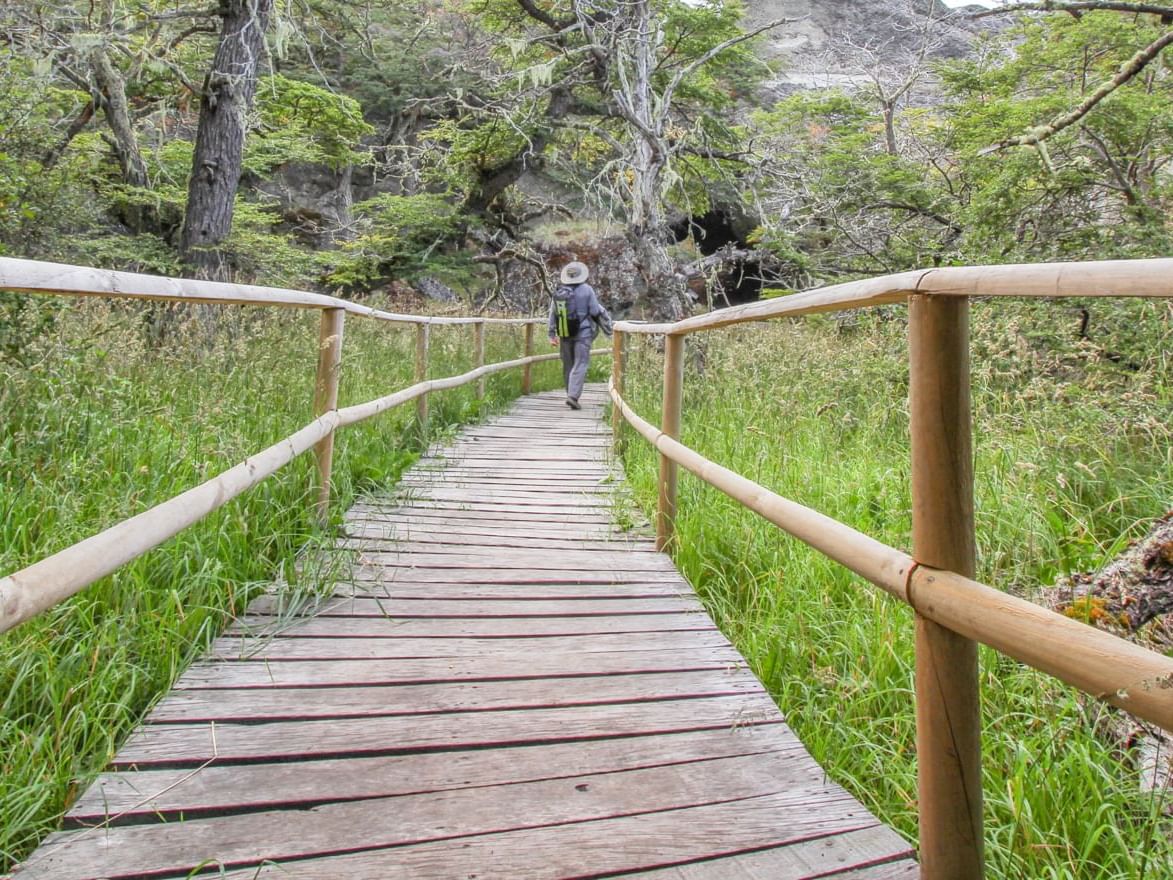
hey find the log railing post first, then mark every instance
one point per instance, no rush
(670, 425)
(526, 375)
(478, 346)
(948, 712)
(617, 365)
(326, 399)
(422, 332)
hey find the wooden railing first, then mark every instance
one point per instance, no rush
(953, 612)
(28, 592)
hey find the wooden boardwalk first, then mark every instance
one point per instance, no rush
(503, 685)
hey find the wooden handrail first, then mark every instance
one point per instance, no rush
(40, 586)
(1106, 278)
(33, 276)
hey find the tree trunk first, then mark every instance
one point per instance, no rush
(227, 99)
(112, 89)
(668, 296)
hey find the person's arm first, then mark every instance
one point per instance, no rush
(599, 314)
(552, 326)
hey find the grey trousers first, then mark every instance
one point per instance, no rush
(576, 357)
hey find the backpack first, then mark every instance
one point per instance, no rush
(565, 320)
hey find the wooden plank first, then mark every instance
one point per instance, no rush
(331, 673)
(269, 786)
(439, 523)
(406, 588)
(193, 744)
(610, 847)
(564, 503)
(353, 606)
(381, 538)
(291, 704)
(903, 870)
(520, 558)
(882, 852)
(288, 648)
(459, 465)
(250, 838)
(391, 627)
(496, 512)
(566, 506)
(387, 575)
(528, 482)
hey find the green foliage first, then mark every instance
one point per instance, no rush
(847, 203)
(1097, 188)
(35, 204)
(301, 122)
(400, 235)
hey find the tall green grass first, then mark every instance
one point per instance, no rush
(1073, 459)
(99, 425)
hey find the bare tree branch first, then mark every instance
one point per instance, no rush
(1077, 6)
(1128, 70)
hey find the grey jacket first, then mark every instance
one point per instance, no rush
(584, 305)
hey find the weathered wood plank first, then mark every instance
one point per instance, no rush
(405, 588)
(438, 524)
(386, 575)
(249, 704)
(882, 852)
(270, 786)
(376, 538)
(329, 673)
(194, 744)
(516, 513)
(248, 839)
(354, 606)
(291, 648)
(392, 627)
(517, 558)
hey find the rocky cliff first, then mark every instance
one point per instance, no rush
(836, 42)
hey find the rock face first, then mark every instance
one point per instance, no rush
(832, 43)
(313, 199)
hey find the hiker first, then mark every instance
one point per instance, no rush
(574, 315)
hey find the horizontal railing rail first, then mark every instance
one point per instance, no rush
(1105, 278)
(33, 276)
(953, 611)
(40, 586)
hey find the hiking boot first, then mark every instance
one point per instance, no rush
(572, 403)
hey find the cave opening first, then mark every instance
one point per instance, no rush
(738, 281)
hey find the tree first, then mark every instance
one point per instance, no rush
(1094, 187)
(225, 102)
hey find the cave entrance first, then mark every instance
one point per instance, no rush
(738, 281)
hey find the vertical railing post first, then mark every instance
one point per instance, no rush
(616, 380)
(478, 347)
(670, 425)
(526, 375)
(948, 711)
(422, 332)
(326, 399)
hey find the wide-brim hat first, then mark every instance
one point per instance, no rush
(575, 273)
